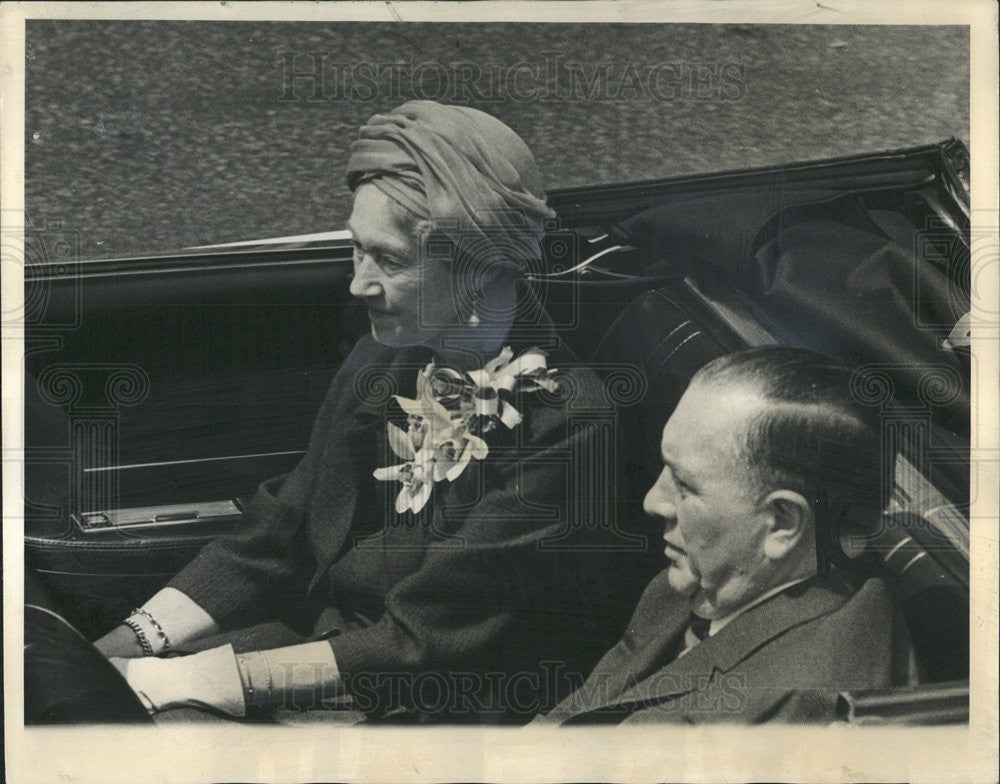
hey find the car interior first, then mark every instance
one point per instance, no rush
(161, 391)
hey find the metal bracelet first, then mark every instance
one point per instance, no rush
(245, 671)
(267, 668)
(147, 648)
(156, 625)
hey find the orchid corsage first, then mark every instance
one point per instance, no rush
(451, 413)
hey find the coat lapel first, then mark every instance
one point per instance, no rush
(642, 651)
(637, 657)
(327, 536)
(353, 452)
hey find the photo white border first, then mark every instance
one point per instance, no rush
(197, 753)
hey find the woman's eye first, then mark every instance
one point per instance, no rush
(390, 264)
(682, 489)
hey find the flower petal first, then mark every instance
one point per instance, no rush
(548, 384)
(419, 435)
(419, 495)
(480, 378)
(498, 361)
(509, 415)
(389, 473)
(400, 441)
(403, 499)
(505, 381)
(423, 460)
(479, 447)
(439, 412)
(456, 469)
(486, 406)
(528, 362)
(411, 407)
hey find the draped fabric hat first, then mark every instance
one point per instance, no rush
(464, 170)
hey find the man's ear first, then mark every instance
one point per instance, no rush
(423, 230)
(790, 518)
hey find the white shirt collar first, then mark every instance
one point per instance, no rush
(718, 623)
(690, 640)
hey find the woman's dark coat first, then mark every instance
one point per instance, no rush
(494, 601)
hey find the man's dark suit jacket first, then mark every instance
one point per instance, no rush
(784, 659)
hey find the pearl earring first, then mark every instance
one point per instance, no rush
(474, 317)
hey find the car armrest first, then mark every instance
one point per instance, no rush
(933, 703)
(155, 520)
(106, 562)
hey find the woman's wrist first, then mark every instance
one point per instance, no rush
(121, 642)
(174, 619)
(152, 638)
(169, 619)
(298, 676)
(257, 679)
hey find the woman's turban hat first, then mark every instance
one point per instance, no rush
(460, 168)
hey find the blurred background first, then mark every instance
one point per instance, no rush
(150, 136)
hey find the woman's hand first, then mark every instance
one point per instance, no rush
(208, 679)
(121, 642)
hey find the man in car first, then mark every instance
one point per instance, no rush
(765, 460)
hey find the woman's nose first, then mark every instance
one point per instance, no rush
(365, 283)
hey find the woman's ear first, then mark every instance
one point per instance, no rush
(422, 230)
(790, 519)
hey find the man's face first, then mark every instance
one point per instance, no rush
(714, 529)
(409, 298)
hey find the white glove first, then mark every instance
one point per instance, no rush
(207, 679)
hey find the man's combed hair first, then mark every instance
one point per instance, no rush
(815, 438)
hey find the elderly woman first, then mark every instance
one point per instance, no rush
(430, 552)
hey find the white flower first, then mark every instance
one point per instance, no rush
(417, 479)
(438, 442)
(501, 374)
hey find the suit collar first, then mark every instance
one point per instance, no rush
(739, 639)
(717, 624)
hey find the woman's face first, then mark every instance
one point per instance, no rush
(410, 298)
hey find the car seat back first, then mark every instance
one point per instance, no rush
(661, 341)
(930, 581)
(663, 337)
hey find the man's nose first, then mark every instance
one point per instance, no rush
(660, 503)
(366, 284)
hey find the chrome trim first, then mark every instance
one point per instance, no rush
(192, 460)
